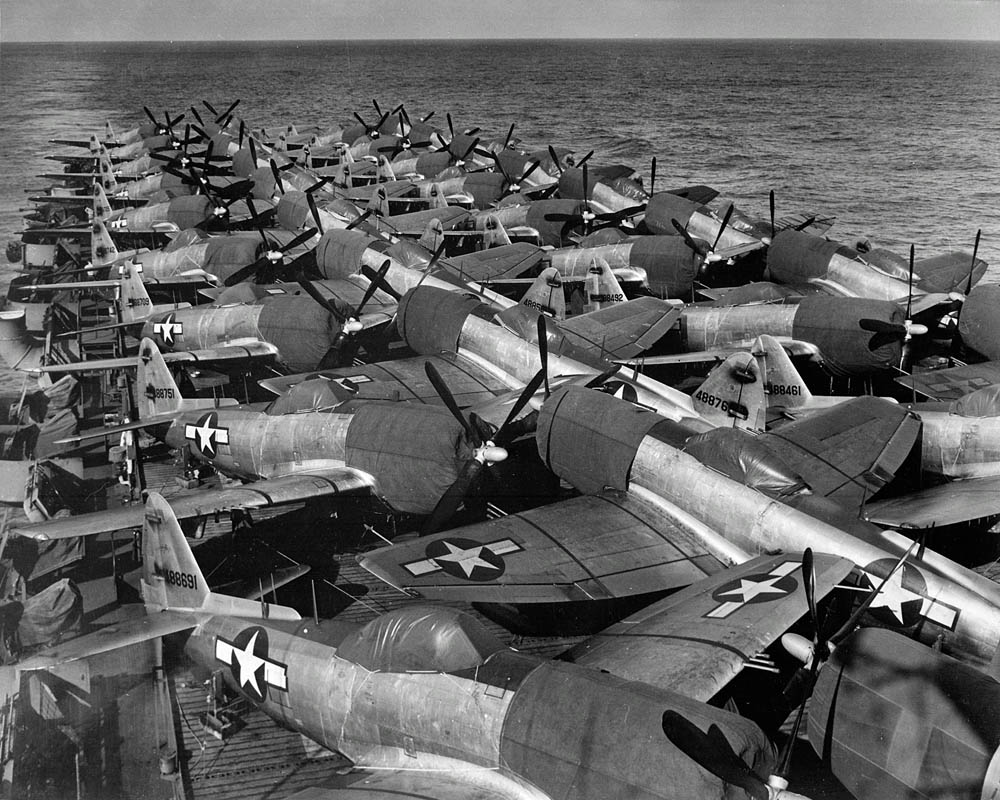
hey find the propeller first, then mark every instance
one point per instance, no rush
(587, 217)
(225, 113)
(904, 358)
(652, 176)
(713, 753)
(273, 257)
(485, 452)
(372, 131)
(543, 352)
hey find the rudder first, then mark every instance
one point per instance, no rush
(783, 385)
(171, 577)
(733, 394)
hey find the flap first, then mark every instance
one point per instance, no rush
(697, 640)
(624, 330)
(543, 555)
(261, 494)
(849, 451)
(945, 504)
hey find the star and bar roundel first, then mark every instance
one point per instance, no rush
(168, 330)
(758, 588)
(206, 434)
(464, 558)
(247, 659)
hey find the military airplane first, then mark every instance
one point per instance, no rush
(423, 701)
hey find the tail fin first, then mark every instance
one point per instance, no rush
(783, 384)
(433, 235)
(494, 234)
(385, 170)
(109, 132)
(437, 198)
(158, 391)
(602, 288)
(108, 180)
(733, 394)
(546, 294)
(95, 144)
(103, 249)
(171, 577)
(281, 145)
(379, 203)
(102, 208)
(133, 297)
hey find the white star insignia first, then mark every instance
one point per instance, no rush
(748, 589)
(249, 663)
(468, 560)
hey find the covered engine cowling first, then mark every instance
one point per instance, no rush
(293, 211)
(225, 255)
(662, 208)
(669, 263)
(590, 438)
(979, 323)
(338, 252)
(190, 210)
(430, 319)
(552, 232)
(745, 459)
(485, 188)
(896, 719)
(301, 329)
(834, 324)
(797, 257)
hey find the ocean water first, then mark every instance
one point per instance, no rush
(898, 140)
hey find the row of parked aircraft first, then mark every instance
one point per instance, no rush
(443, 314)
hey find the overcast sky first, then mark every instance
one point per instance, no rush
(143, 20)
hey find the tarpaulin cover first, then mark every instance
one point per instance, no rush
(50, 400)
(834, 325)
(603, 735)
(189, 210)
(55, 610)
(797, 256)
(60, 425)
(983, 402)
(430, 164)
(226, 254)
(760, 292)
(338, 253)
(949, 272)
(293, 210)
(571, 180)
(264, 185)
(240, 293)
(551, 231)
(662, 208)
(485, 187)
(301, 329)
(590, 439)
(55, 555)
(669, 263)
(906, 721)
(430, 319)
(309, 395)
(740, 456)
(185, 238)
(415, 450)
(420, 638)
(979, 323)
(243, 162)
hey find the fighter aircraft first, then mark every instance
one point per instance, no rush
(467, 715)
(661, 508)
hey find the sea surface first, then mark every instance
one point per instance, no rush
(899, 140)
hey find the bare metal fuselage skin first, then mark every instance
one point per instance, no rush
(521, 727)
(960, 447)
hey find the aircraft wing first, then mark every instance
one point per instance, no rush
(849, 451)
(121, 634)
(228, 352)
(624, 330)
(593, 547)
(696, 640)
(405, 380)
(818, 226)
(470, 783)
(297, 487)
(945, 504)
(953, 383)
(496, 264)
(794, 348)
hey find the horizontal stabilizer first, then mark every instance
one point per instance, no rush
(945, 504)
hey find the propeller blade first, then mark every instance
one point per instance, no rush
(156, 123)
(450, 501)
(227, 112)
(803, 225)
(303, 237)
(310, 289)
(687, 237)
(378, 279)
(809, 587)
(360, 218)
(197, 116)
(209, 107)
(555, 159)
(314, 211)
(543, 352)
(652, 176)
(713, 753)
(449, 400)
(373, 287)
(503, 432)
(972, 267)
(585, 159)
(510, 133)
(770, 198)
(722, 227)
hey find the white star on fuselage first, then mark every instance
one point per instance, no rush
(749, 589)
(249, 663)
(207, 436)
(893, 595)
(468, 560)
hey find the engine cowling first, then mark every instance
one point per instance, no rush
(430, 319)
(834, 324)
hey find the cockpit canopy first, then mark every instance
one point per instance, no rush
(420, 639)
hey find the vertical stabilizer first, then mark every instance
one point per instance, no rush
(494, 233)
(602, 288)
(171, 577)
(109, 132)
(379, 203)
(546, 294)
(157, 392)
(108, 180)
(103, 249)
(783, 385)
(385, 170)
(437, 198)
(102, 208)
(433, 235)
(733, 394)
(133, 297)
